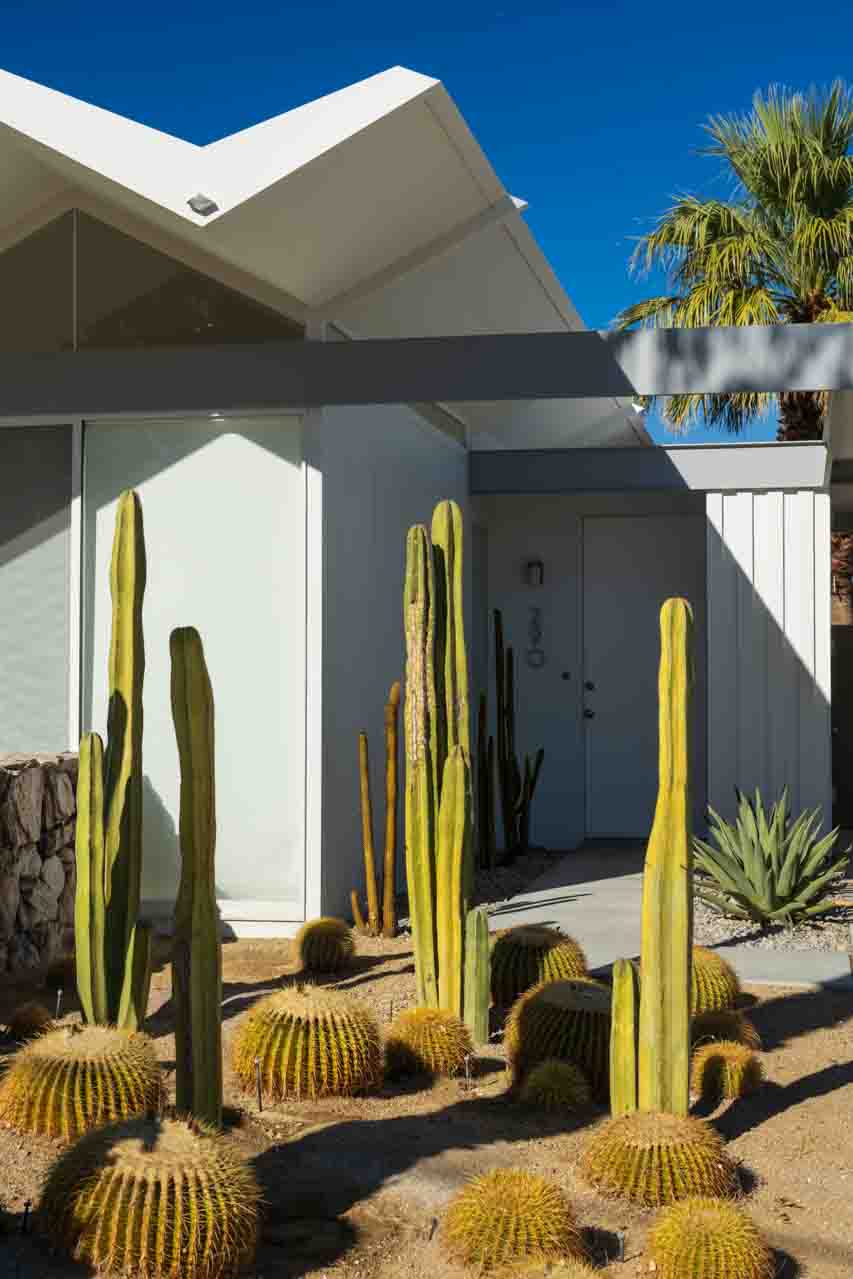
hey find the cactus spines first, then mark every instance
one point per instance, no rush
(705, 1238)
(729, 1024)
(310, 1042)
(156, 1198)
(72, 1079)
(452, 857)
(422, 783)
(566, 1019)
(476, 994)
(715, 986)
(197, 952)
(556, 1085)
(113, 948)
(725, 1071)
(509, 1216)
(664, 1032)
(427, 1041)
(28, 1021)
(654, 1159)
(324, 945)
(532, 953)
(623, 1038)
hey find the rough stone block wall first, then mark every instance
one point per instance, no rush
(37, 877)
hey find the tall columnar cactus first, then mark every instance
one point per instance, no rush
(197, 951)
(451, 661)
(453, 856)
(664, 1032)
(371, 926)
(113, 948)
(517, 785)
(623, 1039)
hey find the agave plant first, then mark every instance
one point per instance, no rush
(766, 867)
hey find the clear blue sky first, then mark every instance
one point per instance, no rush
(591, 111)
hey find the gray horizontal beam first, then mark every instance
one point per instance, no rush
(423, 370)
(701, 469)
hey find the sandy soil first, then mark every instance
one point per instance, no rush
(359, 1186)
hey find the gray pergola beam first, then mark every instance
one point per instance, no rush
(525, 366)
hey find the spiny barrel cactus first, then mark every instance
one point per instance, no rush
(155, 1198)
(510, 1216)
(715, 984)
(427, 1041)
(77, 1078)
(310, 1042)
(28, 1021)
(525, 956)
(556, 1085)
(725, 1071)
(706, 1238)
(655, 1159)
(567, 1019)
(727, 1024)
(324, 945)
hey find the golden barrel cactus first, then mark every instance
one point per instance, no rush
(654, 1159)
(728, 1024)
(28, 1021)
(156, 1199)
(324, 945)
(556, 1085)
(724, 1071)
(310, 1042)
(427, 1041)
(525, 956)
(706, 1238)
(564, 1019)
(715, 984)
(509, 1216)
(70, 1080)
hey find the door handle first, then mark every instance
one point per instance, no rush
(588, 714)
(589, 686)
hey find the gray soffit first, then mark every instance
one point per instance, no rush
(527, 366)
(712, 468)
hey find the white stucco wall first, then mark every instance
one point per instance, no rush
(769, 646)
(383, 469)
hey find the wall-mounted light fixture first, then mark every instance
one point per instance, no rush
(203, 205)
(534, 573)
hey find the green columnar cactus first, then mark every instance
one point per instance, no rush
(197, 951)
(477, 965)
(517, 785)
(451, 661)
(623, 1039)
(485, 790)
(664, 1033)
(113, 947)
(421, 803)
(453, 856)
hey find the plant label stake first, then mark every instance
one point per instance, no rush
(258, 1082)
(58, 1003)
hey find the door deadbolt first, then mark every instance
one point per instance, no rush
(588, 714)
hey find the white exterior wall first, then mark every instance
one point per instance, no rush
(769, 647)
(383, 469)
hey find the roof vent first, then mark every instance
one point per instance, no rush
(203, 205)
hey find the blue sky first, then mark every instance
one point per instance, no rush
(591, 112)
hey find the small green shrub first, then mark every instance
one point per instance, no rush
(766, 867)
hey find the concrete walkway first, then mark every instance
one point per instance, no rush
(595, 893)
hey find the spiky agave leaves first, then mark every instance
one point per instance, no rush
(566, 1019)
(70, 1080)
(655, 1159)
(525, 956)
(706, 1238)
(715, 983)
(556, 1085)
(509, 1216)
(427, 1041)
(324, 945)
(725, 1071)
(155, 1198)
(310, 1042)
(28, 1021)
(727, 1024)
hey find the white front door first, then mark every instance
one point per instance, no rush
(631, 564)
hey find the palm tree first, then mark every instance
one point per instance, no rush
(780, 251)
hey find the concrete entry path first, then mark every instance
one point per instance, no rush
(595, 895)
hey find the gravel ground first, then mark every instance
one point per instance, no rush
(829, 932)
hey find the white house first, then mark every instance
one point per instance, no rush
(278, 530)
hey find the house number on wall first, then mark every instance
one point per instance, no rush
(535, 654)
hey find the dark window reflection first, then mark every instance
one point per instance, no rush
(37, 290)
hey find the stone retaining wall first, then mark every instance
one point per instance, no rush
(37, 877)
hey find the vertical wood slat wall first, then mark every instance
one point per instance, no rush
(769, 647)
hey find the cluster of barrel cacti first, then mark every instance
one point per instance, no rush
(373, 925)
(438, 796)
